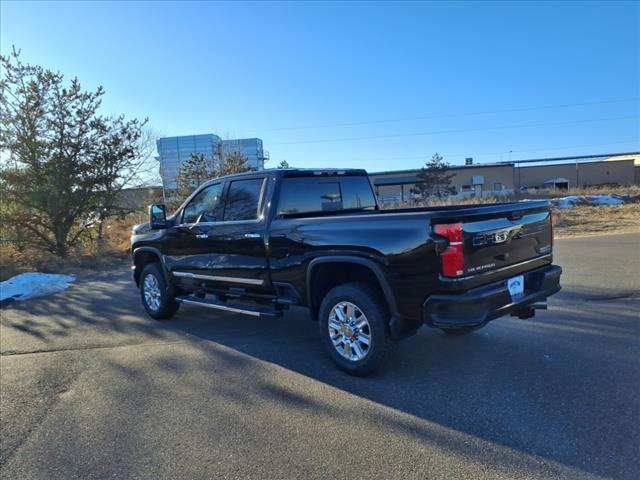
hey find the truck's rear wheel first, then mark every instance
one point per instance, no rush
(352, 328)
(153, 292)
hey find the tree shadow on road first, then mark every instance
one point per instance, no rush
(560, 388)
(96, 304)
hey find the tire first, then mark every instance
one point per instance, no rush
(459, 331)
(166, 306)
(339, 344)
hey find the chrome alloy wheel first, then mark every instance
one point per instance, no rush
(151, 291)
(349, 331)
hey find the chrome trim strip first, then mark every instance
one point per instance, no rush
(219, 278)
(226, 222)
(489, 273)
(220, 307)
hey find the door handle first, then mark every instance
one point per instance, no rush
(251, 235)
(202, 235)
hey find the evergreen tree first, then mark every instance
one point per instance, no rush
(191, 174)
(235, 162)
(60, 157)
(434, 178)
(200, 168)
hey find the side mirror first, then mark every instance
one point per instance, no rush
(158, 216)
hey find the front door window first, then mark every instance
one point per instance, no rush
(205, 206)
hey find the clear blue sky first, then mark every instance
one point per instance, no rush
(375, 85)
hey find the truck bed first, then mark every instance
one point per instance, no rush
(499, 241)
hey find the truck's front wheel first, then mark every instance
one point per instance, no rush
(352, 328)
(154, 295)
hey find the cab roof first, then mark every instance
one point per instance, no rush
(297, 172)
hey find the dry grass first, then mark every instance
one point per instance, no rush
(630, 191)
(596, 220)
(575, 221)
(442, 202)
(79, 261)
(110, 254)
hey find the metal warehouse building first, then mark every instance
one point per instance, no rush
(614, 172)
(506, 178)
(481, 180)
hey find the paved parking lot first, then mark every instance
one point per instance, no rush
(92, 388)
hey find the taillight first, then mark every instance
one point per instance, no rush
(453, 256)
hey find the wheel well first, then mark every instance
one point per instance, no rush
(328, 275)
(141, 260)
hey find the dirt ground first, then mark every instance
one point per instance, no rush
(110, 254)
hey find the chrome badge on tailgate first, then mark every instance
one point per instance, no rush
(499, 236)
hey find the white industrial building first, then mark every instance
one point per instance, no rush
(172, 151)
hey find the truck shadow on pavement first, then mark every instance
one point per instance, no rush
(560, 388)
(547, 387)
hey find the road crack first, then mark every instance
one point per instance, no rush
(13, 353)
(607, 298)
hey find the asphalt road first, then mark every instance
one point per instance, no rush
(92, 388)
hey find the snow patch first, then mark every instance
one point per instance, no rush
(571, 200)
(604, 200)
(566, 202)
(33, 284)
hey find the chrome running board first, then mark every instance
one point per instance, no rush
(254, 311)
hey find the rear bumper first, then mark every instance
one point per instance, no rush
(480, 305)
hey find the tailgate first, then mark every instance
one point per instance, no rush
(488, 238)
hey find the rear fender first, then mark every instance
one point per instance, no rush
(396, 322)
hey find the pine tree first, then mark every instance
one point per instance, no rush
(191, 174)
(434, 178)
(62, 156)
(235, 162)
(199, 168)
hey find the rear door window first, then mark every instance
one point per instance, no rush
(243, 200)
(311, 194)
(303, 195)
(357, 193)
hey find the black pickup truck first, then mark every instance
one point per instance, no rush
(260, 242)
